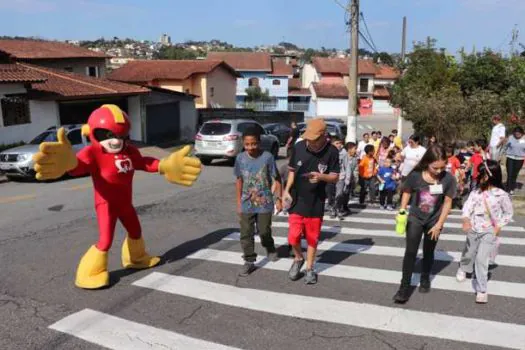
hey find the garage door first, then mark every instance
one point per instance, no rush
(163, 123)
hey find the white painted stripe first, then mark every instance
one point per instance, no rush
(506, 289)
(392, 234)
(382, 221)
(370, 316)
(120, 334)
(442, 255)
(387, 212)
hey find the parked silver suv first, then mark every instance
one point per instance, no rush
(18, 161)
(222, 139)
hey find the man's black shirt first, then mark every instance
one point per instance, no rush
(308, 198)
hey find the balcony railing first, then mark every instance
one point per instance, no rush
(258, 106)
(298, 106)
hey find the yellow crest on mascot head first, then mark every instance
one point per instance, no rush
(118, 115)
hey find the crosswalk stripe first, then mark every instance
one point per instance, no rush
(370, 316)
(392, 234)
(506, 289)
(382, 221)
(381, 212)
(442, 255)
(120, 334)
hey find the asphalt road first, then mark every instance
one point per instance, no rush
(195, 300)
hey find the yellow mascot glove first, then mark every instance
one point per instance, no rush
(55, 158)
(180, 169)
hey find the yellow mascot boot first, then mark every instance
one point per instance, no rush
(92, 271)
(134, 255)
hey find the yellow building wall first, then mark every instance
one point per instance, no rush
(224, 86)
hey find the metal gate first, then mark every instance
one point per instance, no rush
(163, 122)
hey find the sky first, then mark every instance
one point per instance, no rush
(306, 23)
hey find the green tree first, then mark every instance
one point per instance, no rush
(385, 58)
(255, 94)
(174, 53)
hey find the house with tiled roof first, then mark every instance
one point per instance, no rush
(54, 54)
(328, 78)
(259, 69)
(34, 98)
(213, 82)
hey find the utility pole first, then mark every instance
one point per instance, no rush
(403, 49)
(351, 135)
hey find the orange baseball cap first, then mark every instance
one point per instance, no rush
(315, 128)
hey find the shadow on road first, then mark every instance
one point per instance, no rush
(178, 253)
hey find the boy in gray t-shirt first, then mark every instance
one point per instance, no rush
(255, 169)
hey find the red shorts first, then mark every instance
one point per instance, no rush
(311, 227)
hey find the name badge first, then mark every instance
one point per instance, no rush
(436, 189)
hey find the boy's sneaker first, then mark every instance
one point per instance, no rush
(482, 298)
(340, 215)
(272, 256)
(246, 269)
(310, 277)
(390, 208)
(295, 270)
(461, 275)
(333, 213)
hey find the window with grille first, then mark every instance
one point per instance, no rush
(253, 82)
(15, 110)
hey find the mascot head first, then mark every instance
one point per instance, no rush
(108, 126)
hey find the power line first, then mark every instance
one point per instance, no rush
(368, 32)
(367, 42)
(341, 5)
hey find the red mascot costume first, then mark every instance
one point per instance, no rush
(111, 161)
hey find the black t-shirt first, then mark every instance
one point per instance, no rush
(294, 134)
(308, 198)
(426, 207)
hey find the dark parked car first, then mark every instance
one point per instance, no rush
(280, 130)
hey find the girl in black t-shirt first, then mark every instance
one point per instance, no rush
(429, 189)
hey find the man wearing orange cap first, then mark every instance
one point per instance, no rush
(111, 161)
(313, 164)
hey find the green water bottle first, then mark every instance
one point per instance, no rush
(401, 222)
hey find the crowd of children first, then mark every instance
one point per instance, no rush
(381, 165)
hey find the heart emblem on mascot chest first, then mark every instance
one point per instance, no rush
(124, 165)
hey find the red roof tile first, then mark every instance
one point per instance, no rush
(341, 66)
(33, 49)
(280, 68)
(381, 91)
(387, 72)
(12, 73)
(294, 83)
(244, 61)
(65, 85)
(339, 91)
(299, 92)
(147, 71)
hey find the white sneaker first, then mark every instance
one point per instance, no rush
(461, 275)
(482, 298)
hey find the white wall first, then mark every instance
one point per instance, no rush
(188, 120)
(384, 82)
(43, 115)
(328, 107)
(382, 107)
(309, 75)
(135, 116)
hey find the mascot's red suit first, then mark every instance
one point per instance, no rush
(111, 161)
